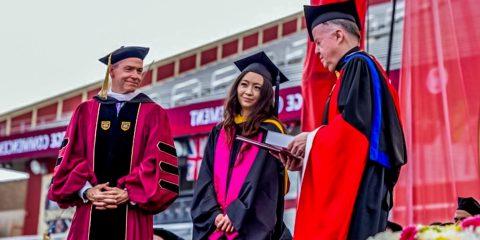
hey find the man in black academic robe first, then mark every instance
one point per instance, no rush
(352, 162)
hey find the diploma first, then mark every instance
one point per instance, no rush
(269, 147)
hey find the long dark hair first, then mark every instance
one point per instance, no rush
(263, 109)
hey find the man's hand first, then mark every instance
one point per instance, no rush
(297, 149)
(298, 145)
(104, 197)
(291, 163)
(120, 195)
(100, 198)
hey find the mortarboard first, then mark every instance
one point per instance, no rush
(125, 52)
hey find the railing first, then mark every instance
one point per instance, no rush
(295, 52)
(222, 78)
(46, 119)
(184, 91)
(20, 126)
(178, 212)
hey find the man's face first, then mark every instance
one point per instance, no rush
(127, 75)
(327, 45)
(460, 215)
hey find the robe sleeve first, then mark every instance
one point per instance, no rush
(72, 169)
(154, 184)
(205, 207)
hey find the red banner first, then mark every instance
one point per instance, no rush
(32, 144)
(439, 94)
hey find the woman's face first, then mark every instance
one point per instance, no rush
(248, 90)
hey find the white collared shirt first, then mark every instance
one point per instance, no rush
(122, 97)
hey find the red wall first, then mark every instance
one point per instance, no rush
(165, 71)
(17, 122)
(270, 34)
(47, 114)
(289, 27)
(229, 48)
(70, 104)
(92, 93)
(3, 128)
(147, 79)
(250, 41)
(208, 56)
(187, 63)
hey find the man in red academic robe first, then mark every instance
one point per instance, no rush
(117, 164)
(351, 163)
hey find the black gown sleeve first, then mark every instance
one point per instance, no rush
(205, 207)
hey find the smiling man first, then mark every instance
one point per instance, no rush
(117, 163)
(351, 163)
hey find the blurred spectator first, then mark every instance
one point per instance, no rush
(58, 226)
(394, 227)
(162, 234)
(467, 207)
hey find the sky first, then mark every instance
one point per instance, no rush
(52, 46)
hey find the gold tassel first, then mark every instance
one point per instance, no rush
(337, 74)
(104, 90)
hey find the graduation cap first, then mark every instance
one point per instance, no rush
(117, 56)
(260, 63)
(315, 15)
(469, 205)
(125, 52)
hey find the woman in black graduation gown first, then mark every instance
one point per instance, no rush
(240, 190)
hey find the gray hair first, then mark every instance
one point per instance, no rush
(347, 25)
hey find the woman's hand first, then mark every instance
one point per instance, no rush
(224, 223)
(218, 219)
